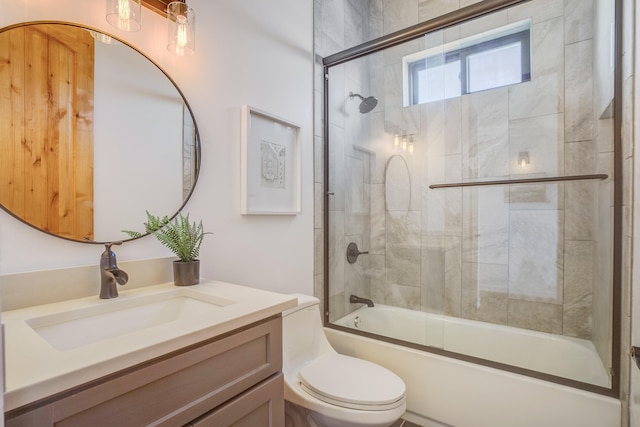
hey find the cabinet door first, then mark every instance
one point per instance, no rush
(263, 405)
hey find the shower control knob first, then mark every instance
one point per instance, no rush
(353, 253)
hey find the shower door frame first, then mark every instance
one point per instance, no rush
(416, 31)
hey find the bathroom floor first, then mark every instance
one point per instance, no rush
(404, 423)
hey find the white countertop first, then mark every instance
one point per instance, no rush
(34, 369)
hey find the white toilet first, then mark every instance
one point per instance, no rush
(326, 389)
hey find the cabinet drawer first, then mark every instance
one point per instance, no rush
(262, 406)
(174, 389)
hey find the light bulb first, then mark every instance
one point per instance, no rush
(181, 37)
(523, 158)
(124, 10)
(124, 14)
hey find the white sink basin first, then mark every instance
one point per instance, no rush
(111, 318)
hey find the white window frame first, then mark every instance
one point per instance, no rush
(517, 32)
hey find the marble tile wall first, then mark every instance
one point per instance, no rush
(534, 256)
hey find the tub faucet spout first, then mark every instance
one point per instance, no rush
(354, 299)
(110, 274)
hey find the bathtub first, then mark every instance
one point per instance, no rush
(443, 391)
(566, 357)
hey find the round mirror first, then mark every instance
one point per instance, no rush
(93, 134)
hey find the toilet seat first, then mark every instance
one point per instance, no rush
(352, 383)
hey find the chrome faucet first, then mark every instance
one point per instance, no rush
(354, 299)
(110, 274)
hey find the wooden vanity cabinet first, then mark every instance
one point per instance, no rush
(232, 380)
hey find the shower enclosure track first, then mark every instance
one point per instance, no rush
(521, 181)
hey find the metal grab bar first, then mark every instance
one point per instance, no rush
(521, 181)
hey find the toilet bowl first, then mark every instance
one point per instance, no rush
(327, 389)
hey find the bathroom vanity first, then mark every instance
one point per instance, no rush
(210, 356)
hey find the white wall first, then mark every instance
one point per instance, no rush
(249, 52)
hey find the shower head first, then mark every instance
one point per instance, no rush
(367, 104)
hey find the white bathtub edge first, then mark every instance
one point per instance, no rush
(460, 394)
(422, 421)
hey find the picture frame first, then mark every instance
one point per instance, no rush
(270, 164)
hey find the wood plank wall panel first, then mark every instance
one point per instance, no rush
(47, 131)
(36, 126)
(11, 121)
(83, 147)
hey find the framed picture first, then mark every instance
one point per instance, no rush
(270, 164)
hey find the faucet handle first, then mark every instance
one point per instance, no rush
(353, 252)
(108, 257)
(107, 246)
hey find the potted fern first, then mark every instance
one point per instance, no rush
(183, 238)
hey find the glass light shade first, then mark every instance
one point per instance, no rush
(103, 38)
(181, 26)
(124, 14)
(523, 158)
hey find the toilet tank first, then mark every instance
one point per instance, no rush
(303, 337)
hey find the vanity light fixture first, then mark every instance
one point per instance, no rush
(404, 142)
(523, 158)
(124, 14)
(181, 26)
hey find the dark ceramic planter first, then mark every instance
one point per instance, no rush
(186, 273)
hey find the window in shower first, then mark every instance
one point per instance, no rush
(517, 274)
(489, 60)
